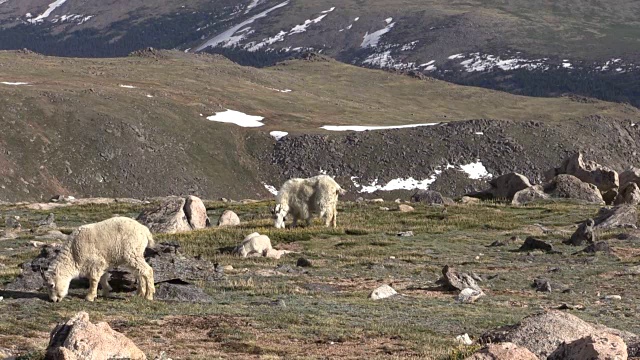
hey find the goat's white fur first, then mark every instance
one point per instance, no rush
(301, 198)
(93, 249)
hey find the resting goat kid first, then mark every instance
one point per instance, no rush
(95, 248)
(303, 197)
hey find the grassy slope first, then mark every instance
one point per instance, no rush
(327, 313)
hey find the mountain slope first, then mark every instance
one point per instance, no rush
(137, 126)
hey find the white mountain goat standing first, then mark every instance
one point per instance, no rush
(303, 197)
(93, 249)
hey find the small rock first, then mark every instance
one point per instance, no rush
(12, 223)
(229, 218)
(37, 243)
(405, 208)
(464, 339)
(506, 242)
(532, 243)
(600, 246)
(49, 222)
(453, 280)
(302, 262)
(382, 292)
(227, 268)
(384, 208)
(469, 296)
(378, 200)
(162, 356)
(542, 285)
(613, 297)
(392, 257)
(405, 233)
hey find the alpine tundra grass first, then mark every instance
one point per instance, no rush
(324, 311)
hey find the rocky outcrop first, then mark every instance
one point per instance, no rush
(175, 214)
(453, 280)
(79, 339)
(590, 172)
(503, 351)
(543, 333)
(196, 213)
(631, 175)
(602, 346)
(569, 186)
(628, 194)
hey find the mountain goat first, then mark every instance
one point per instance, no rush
(303, 197)
(93, 249)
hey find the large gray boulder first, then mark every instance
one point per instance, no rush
(507, 185)
(590, 172)
(543, 333)
(196, 213)
(430, 197)
(168, 217)
(628, 194)
(616, 217)
(631, 175)
(569, 186)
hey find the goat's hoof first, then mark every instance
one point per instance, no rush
(90, 298)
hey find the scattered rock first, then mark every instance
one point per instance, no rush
(382, 292)
(600, 246)
(529, 195)
(618, 216)
(598, 346)
(628, 194)
(254, 243)
(613, 297)
(79, 339)
(177, 290)
(452, 280)
(12, 223)
(384, 208)
(196, 213)
(584, 233)
(405, 233)
(30, 279)
(543, 333)
(569, 186)
(631, 175)
(49, 222)
(509, 241)
(587, 171)
(430, 197)
(464, 339)
(37, 243)
(229, 218)
(503, 351)
(542, 285)
(302, 262)
(167, 217)
(169, 263)
(610, 196)
(469, 295)
(532, 243)
(405, 208)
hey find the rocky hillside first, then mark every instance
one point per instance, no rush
(157, 123)
(579, 46)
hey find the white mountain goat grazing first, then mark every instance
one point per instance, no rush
(94, 248)
(303, 197)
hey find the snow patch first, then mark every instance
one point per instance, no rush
(303, 27)
(282, 91)
(127, 86)
(479, 133)
(3, 1)
(476, 170)
(388, 20)
(328, 11)
(356, 19)
(365, 128)
(238, 118)
(399, 184)
(253, 4)
(268, 41)
(428, 63)
(372, 40)
(456, 56)
(149, 95)
(226, 35)
(486, 62)
(278, 134)
(40, 18)
(13, 83)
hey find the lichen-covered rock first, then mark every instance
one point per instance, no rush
(79, 339)
(453, 280)
(601, 346)
(229, 218)
(196, 213)
(618, 216)
(507, 185)
(167, 217)
(628, 194)
(590, 172)
(382, 292)
(503, 351)
(529, 195)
